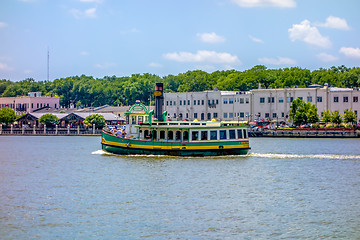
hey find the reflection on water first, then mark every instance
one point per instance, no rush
(66, 188)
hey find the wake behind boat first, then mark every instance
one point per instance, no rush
(177, 138)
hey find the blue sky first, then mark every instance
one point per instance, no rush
(116, 37)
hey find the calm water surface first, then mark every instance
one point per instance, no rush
(67, 188)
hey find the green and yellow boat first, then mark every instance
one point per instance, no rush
(176, 138)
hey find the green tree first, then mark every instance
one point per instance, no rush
(336, 117)
(327, 116)
(349, 116)
(312, 115)
(7, 116)
(96, 119)
(295, 106)
(49, 119)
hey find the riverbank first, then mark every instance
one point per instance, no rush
(307, 133)
(50, 131)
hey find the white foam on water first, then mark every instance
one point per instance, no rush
(315, 156)
(101, 152)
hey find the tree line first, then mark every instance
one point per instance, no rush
(87, 91)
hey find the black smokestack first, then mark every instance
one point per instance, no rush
(159, 101)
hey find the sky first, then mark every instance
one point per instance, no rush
(117, 37)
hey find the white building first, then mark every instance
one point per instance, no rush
(269, 104)
(222, 105)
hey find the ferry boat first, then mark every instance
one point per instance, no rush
(176, 138)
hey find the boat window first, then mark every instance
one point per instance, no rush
(170, 135)
(213, 135)
(232, 134)
(146, 134)
(178, 135)
(239, 131)
(162, 134)
(194, 135)
(195, 123)
(140, 119)
(245, 133)
(222, 134)
(154, 134)
(185, 135)
(133, 120)
(204, 135)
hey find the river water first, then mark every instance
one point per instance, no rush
(67, 188)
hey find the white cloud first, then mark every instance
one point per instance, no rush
(5, 67)
(211, 37)
(350, 52)
(309, 34)
(277, 61)
(84, 53)
(3, 24)
(155, 65)
(254, 39)
(92, 1)
(325, 57)
(203, 56)
(88, 13)
(334, 22)
(266, 3)
(106, 65)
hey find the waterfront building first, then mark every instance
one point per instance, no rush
(207, 105)
(258, 104)
(30, 103)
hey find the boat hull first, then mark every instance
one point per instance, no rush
(126, 146)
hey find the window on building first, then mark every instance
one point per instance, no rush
(241, 101)
(301, 98)
(282, 114)
(187, 115)
(170, 103)
(180, 102)
(271, 99)
(195, 115)
(267, 115)
(188, 102)
(231, 100)
(346, 99)
(167, 103)
(290, 99)
(198, 102)
(194, 102)
(215, 114)
(174, 103)
(274, 115)
(242, 114)
(231, 115)
(225, 101)
(184, 102)
(225, 115)
(319, 99)
(202, 116)
(202, 102)
(247, 100)
(355, 99)
(174, 115)
(217, 101)
(336, 99)
(208, 116)
(281, 99)
(309, 99)
(262, 100)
